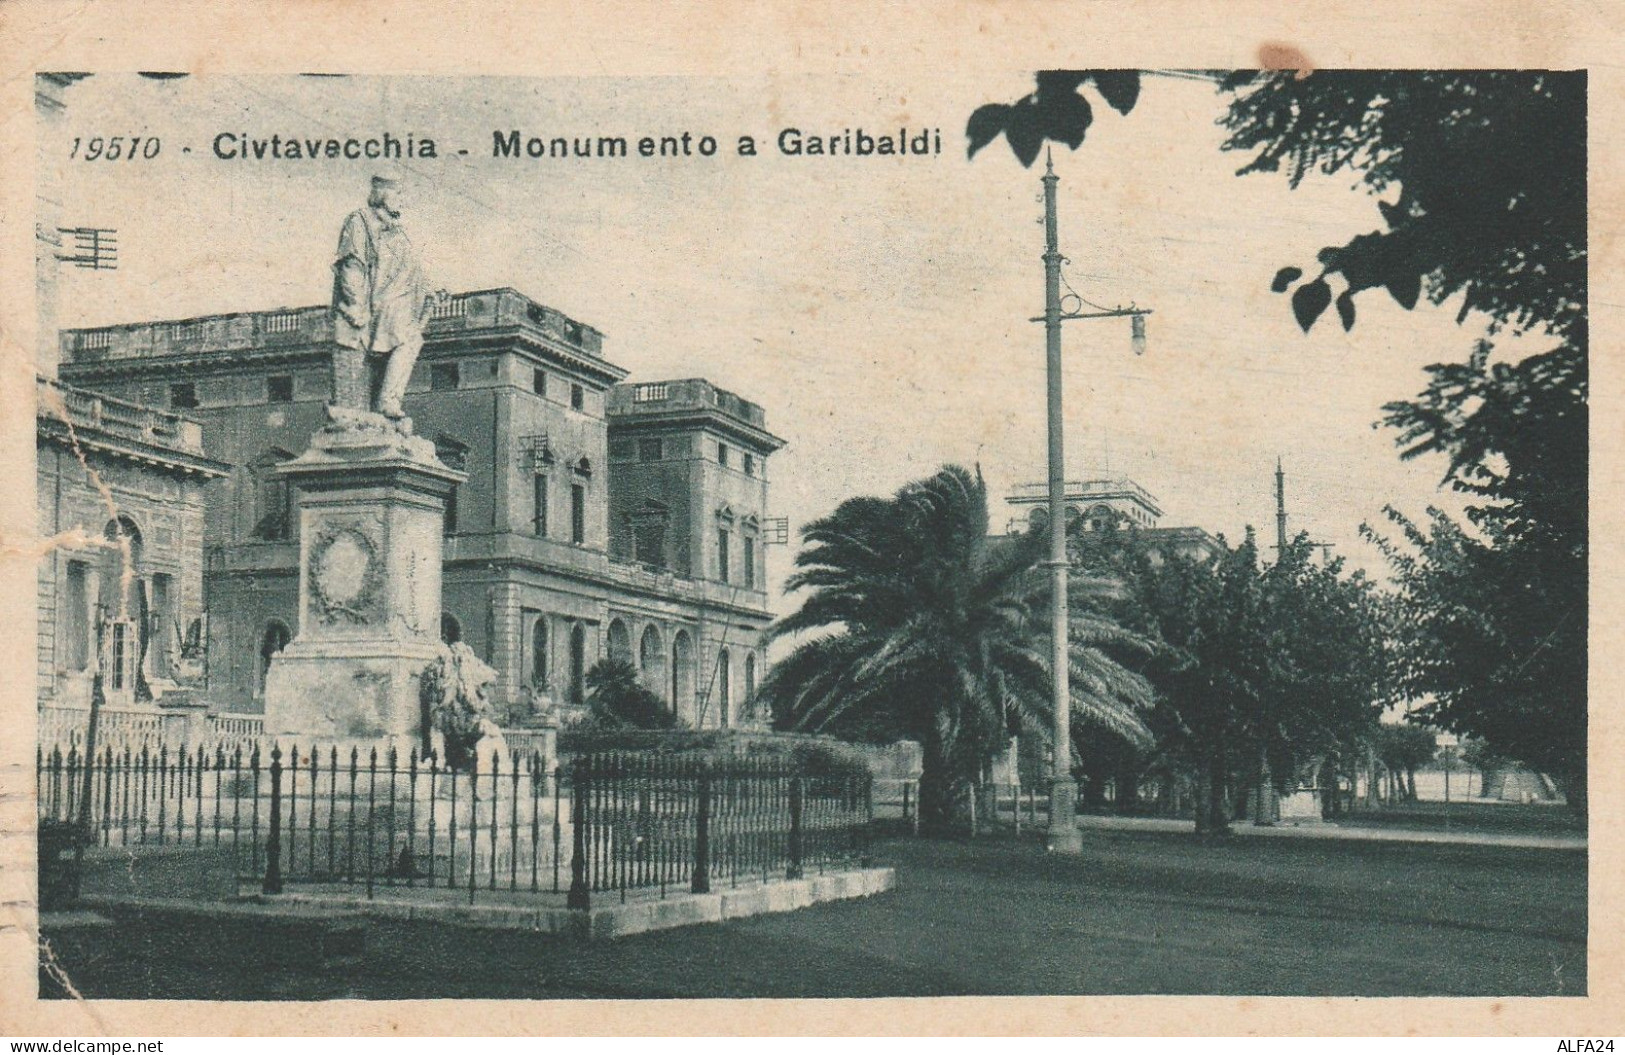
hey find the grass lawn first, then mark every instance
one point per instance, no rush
(1137, 913)
(1503, 818)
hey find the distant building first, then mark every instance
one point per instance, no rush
(120, 493)
(598, 519)
(1110, 503)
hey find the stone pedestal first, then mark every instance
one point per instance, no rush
(1300, 807)
(372, 503)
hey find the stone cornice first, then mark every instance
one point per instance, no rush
(761, 440)
(89, 438)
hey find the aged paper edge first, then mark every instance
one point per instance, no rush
(720, 38)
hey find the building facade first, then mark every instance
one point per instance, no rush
(120, 498)
(543, 570)
(1109, 504)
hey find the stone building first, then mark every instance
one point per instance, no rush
(597, 518)
(1110, 503)
(120, 498)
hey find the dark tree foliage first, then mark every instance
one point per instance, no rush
(1494, 619)
(1481, 184)
(922, 626)
(1494, 640)
(1403, 749)
(618, 699)
(1482, 176)
(1288, 660)
(1055, 110)
(1482, 172)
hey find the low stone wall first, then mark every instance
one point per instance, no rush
(603, 923)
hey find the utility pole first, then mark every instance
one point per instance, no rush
(1264, 800)
(1063, 811)
(1280, 520)
(1063, 793)
(1280, 509)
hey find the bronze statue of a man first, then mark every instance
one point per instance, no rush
(381, 302)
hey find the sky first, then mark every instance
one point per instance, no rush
(877, 307)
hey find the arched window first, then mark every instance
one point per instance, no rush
(538, 651)
(451, 631)
(274, 640)
(578, 663)
(123, 601)
(652, 661)
(620, 641)
(682, 675)
(724, 696)
(123, 537)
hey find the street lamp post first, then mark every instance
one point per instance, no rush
(1063, 824)
(1447, 749)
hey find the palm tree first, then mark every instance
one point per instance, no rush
(921, 626)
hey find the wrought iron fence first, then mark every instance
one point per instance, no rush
(652, 821)
(322, 816)
(615, 822)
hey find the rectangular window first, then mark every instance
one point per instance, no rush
(578, 514)
(451, 512)
(118, 649)
(649, 543)
(750, 465)
(443, 377)
(539, 512)
(279, 389)
(649, 451)
(76, 617)
(722, 555)
(276, 510)
(183, 396)
(538, 382)
(162, 622)
(722, 454)
(750, 562)
(578, 397)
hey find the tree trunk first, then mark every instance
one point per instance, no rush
(945, 792)
(1263, 799)
(1410, 793)
(1094, 786)
(1128, 787)
(1573, 787)
(1199, 807)
(1218, 814)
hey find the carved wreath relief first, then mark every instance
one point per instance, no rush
(346, 575)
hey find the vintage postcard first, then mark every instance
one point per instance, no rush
(1078, 502)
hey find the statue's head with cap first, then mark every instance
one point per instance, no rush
(385, 193)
